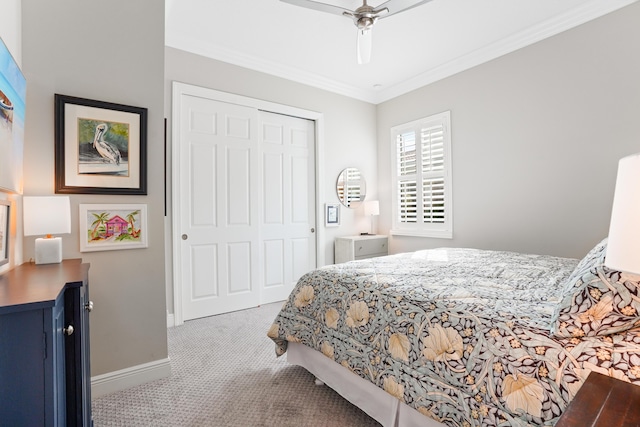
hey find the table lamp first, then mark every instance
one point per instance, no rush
(371, 209)
(47, 216)
(623, 245)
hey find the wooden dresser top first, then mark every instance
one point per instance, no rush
(603, 401)
(31, 286)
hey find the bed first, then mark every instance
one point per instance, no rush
(463, 337)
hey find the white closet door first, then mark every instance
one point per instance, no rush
(244, 204)
(287, 219)
(219, 192)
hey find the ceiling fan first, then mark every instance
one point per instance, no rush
(364, 17)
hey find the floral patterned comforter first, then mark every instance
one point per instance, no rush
(461, 335)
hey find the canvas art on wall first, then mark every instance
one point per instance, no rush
(113, 227)
(13, 90)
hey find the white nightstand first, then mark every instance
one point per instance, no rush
(360, 247)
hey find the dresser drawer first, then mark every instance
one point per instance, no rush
(370, 247)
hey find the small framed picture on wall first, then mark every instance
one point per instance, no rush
(331, 215)
(5, 228)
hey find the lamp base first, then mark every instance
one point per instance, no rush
(49, 251)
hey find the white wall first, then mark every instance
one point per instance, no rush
(11, 28)
(349, 133)
(536, 138)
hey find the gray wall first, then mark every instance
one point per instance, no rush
(350, 129)
(536, 138)
(109, 51)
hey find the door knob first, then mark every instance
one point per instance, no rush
(89, 306)
(313, 230)
(185, 237)
(68, 330)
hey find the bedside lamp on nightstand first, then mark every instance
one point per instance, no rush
(371, 209)
(624, 231)
(44, 216)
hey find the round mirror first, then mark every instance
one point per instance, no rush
(351, 188)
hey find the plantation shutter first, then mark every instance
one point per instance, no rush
(432, 142)
(407, 174)
(422, 193)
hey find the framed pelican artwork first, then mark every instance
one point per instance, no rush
(101, 147)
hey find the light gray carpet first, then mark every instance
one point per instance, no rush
(225, 373)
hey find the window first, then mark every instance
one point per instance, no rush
(421, 171)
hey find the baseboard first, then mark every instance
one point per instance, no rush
(129, 377)
(171, 322)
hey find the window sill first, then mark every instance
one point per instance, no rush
(438, 234)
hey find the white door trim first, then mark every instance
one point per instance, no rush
(178, 90)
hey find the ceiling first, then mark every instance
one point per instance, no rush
(410, 49)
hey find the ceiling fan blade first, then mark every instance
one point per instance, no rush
(322, 7)
(397, 6)
(364, 46)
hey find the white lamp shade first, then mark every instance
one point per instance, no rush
(623, 247)
(372, 208)
(46, 215)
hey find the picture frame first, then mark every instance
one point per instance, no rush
(5, 230)
(100, 147)
(331, 214)
(106, 227)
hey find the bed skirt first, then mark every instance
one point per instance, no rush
(374, 401)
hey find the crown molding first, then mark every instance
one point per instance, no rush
(269, 67)
(579, 15)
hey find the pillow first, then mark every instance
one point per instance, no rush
(597, 300)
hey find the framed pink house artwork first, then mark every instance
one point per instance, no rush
(113, 227)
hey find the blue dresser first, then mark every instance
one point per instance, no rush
(45, 377)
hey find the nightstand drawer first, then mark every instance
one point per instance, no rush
(367, 248)
(360, 247)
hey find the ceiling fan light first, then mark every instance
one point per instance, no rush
(364, 46)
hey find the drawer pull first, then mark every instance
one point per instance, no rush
(68, 330)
